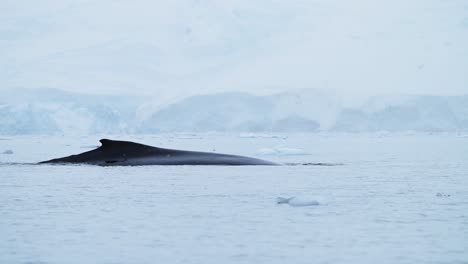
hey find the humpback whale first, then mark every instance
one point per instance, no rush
(127, 153)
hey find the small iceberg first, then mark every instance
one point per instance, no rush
(297, 202)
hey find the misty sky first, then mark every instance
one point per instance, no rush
(167, 48)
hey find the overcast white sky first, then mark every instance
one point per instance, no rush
(167, 48)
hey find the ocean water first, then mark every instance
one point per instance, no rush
(395, 198)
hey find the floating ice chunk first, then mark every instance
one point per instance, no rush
(282, 200)
(8, 151)
(294, 201)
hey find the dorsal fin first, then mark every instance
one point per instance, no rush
(110, 144)
(107, 142)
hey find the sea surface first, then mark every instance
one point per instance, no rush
(390, 198)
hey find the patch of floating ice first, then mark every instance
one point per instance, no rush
(294, 201)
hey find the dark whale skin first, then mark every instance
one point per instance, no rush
(127, 153)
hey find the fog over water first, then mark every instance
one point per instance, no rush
(174, 49)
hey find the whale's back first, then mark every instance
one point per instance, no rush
(127, 153)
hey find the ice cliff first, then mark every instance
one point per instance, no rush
(50, 111)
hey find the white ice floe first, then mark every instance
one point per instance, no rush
(294, 201)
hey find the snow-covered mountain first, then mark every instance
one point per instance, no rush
(305, 110)
(50, 111)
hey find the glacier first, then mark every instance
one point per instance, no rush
(56, 112)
